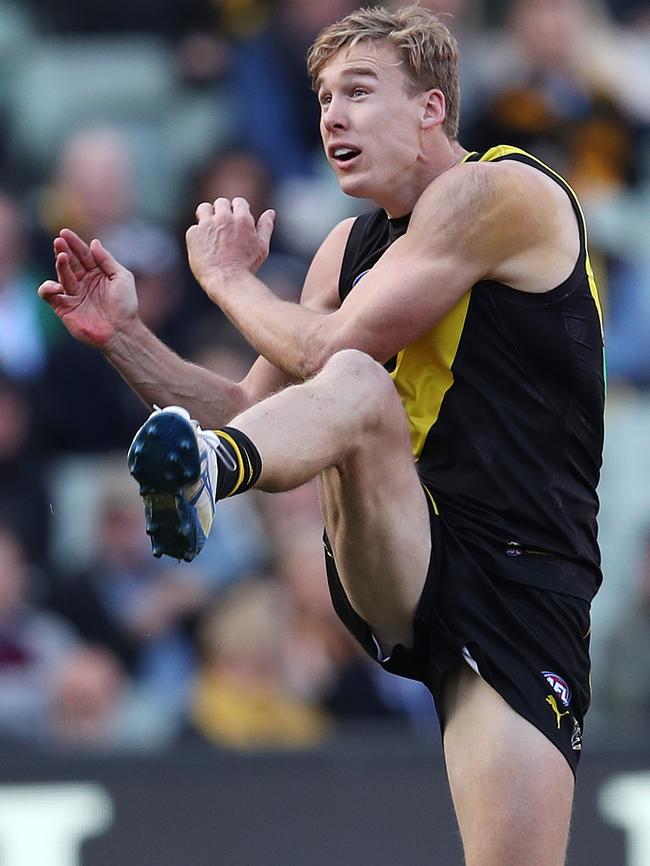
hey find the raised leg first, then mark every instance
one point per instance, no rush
(347, 425)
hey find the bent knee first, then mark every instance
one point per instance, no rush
(366, 383)
(358, 369)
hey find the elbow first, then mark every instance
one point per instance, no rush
(322, 343)
(312, 363)
(318, 348)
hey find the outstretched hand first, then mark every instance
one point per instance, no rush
(94, 295)
(226, 238)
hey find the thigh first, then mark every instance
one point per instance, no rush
(512, 788)
(377, 520)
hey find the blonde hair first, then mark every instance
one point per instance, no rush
(427, 48)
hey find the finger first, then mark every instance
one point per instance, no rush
(240, 207)
(204, 211)
(62, 246)
(79, 248)
(54, 294)
(105, 261)
(65, 274)
(49, 289)
(222, 206)
(265, 226)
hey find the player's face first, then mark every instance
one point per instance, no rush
(370, 124)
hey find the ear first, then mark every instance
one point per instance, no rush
(434, 109)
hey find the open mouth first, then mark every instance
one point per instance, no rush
(344, 154)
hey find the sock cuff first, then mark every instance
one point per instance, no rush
(246, 456)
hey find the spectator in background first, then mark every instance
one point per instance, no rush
(95, 707)
(34, 645)
(628, 312)
(316, 647)
(552, 102)
(87, 691)
(22, 337)
(93, 185)
(228, 170)
(323, 664)
(23, 493)
(624, 675)
(277, 116)
(277, 666)
(154, 254)
(242, 695)
(141, 609)
(275, 109)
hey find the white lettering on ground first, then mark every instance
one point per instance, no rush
(624, 800)
(46, 824)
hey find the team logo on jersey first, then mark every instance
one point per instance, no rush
(559, 686)
(359, 276)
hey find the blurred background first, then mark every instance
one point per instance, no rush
(125, 671)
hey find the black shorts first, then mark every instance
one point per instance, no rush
(529, 643)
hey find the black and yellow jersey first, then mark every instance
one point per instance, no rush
(505, 400)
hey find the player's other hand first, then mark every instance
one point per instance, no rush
(93, 295)
(226, 238)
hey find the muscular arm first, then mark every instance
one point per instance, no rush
(95, 298)
(474, 222)
(158, 375)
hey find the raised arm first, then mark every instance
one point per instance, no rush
(95, 297)
(474, 222)
(320, 296)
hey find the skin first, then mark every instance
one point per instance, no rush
(342, 421)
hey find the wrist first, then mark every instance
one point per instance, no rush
(217, 282)
(128, 336)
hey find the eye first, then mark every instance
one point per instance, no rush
(359, 91)
(325, 98)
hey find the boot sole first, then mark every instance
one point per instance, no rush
(163, 458)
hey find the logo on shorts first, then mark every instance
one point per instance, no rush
(552, 702)
(576, 736)
(559, 686)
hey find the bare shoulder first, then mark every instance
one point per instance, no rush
(517, 224)
(341, 231)
(482, 193)
(320, 289)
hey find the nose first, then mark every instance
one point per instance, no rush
(333, 116)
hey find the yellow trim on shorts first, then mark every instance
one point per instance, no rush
(433, 501)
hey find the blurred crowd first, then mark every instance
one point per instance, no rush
(117, 121)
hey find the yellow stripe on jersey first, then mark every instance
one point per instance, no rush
(423, 375)
(593, 288)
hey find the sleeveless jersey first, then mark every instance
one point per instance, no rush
(505, 401)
